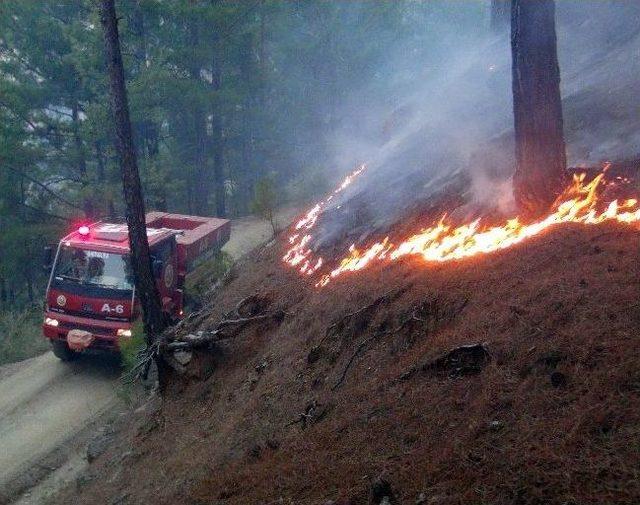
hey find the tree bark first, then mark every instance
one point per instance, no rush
(201, 174)
(87, 202)
(146, 289)
(147, 130)
(102, 180)
(540, 173)
(3, 291)
(500, 15)
(248, 174)
(75, 118)
(216, 130)
(29, 281)
(217, 146)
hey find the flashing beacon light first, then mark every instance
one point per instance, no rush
(83, 230)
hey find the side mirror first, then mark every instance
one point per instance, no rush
(157, 267)
(47, 258)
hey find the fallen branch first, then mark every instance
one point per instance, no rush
(191, 341)
(358, 312)
(351, 360)
(469, 359)
(410, 319)
(231, 323)
(243, 320)
(314, 412)
(239, 306)
(145, 358)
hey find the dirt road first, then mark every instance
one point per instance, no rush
(49, 409)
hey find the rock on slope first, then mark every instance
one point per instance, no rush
(355, 391)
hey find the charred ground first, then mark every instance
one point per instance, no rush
(355, 392)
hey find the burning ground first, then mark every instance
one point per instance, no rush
(508, 377)
(586, 202)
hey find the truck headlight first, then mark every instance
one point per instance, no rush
(123, 333)
(49, 321)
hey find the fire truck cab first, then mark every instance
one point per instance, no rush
(91, 301)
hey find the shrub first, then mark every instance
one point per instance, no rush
(199, 282)
(21, 335)
(129, 347)
(265, 201)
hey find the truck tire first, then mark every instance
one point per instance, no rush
(61, 350)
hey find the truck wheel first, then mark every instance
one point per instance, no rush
(61, 350)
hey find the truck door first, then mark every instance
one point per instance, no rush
(167, 276)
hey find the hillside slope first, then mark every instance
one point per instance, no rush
(353, 395)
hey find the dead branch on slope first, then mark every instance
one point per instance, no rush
(313, 413)
(248, 310)
(469, 359)
(430, 314)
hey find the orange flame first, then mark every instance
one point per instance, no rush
(299, 254)
(443, 242)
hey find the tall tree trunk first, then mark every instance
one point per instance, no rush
(216, 129)
(102, 174)
(29, 281)
(87, 202)
(102, 179)
(146, 129)
(500, 15)
(3, 291)
(201, 172)
(75, 122)
(540, 173)
(198, 129)
(146, 288)
(248, 174)
(218, 164)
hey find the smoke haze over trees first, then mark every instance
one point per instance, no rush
(226, 94)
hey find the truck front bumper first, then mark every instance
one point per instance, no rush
(56, 326)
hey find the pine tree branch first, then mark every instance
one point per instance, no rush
(41, 185)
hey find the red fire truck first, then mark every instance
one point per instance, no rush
(91, 301)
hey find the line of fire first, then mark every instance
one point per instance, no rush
(320, 252)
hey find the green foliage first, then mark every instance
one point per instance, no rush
(21, 261)
(198, 282)
(227, 99)
(265, 201)
(21, 335)
(129, 347)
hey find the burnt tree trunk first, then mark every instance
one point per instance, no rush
(540, 173)
(500, 15)
(146, 288)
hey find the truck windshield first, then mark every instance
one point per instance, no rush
(93, 269)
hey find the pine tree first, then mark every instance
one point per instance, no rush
(146, 288)
(540, 151)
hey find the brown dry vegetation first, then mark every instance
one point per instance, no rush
(552, 417)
